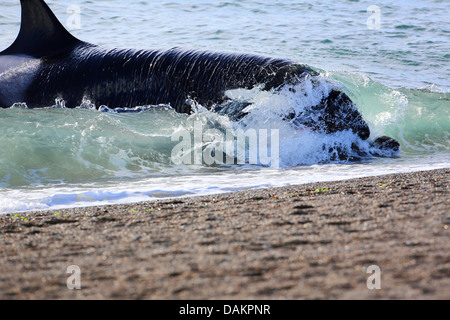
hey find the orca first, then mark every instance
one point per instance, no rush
(46, 63)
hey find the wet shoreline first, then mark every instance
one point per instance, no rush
(295, 242)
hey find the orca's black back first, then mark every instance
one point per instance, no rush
(129, 78)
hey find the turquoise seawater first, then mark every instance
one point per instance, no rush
(391, 57)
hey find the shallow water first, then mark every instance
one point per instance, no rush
(397, 75)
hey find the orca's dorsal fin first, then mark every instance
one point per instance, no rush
(41, 34)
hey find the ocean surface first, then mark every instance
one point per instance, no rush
(391, 57)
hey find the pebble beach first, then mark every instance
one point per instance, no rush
(313, 241)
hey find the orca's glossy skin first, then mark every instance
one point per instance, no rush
(46, 62)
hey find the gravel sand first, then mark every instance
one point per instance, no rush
(311, 241)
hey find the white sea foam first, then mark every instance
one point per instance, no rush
(57, 158)
(58, 197)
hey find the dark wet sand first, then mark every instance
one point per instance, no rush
(294, 242)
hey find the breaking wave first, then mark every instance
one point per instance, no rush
(58, 157)
(59, 145)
